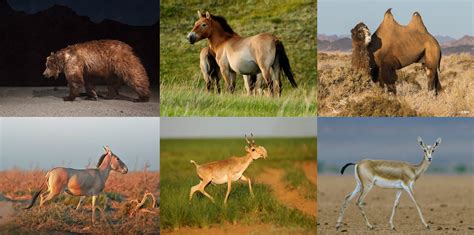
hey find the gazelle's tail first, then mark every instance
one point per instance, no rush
(193, 162)
(345, 166)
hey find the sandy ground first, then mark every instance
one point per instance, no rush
(291, 198)
(46, 101)
(447, 203)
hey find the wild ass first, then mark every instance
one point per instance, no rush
(80, 182)
(227, 170)
(388, 174)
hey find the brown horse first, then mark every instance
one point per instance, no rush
(261, 53)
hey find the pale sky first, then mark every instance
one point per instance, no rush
(73, 142)
(446, 18)
(343, 140)
(210, 127)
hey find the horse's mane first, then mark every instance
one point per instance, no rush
(223, 22)
(101, 159)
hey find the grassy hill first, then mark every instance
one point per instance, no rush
(182, 86)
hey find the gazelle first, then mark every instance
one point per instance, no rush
(387, 174)
(227, 170)
(80, 182)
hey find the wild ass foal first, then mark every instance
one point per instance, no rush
(388, 174)
(80, 182)
(228, 170)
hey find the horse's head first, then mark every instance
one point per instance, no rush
(115, 163)
(202, 28)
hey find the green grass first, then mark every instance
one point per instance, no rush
(178, 175)
(182, 88)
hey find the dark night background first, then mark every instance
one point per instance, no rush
(31, 29)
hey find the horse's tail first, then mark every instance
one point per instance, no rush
(193, 162)
(35, 196)
(284, 62)
(345, 166)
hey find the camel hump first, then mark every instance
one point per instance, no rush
(388, 20)
(388, 15)
(417, 23)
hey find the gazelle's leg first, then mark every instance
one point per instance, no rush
(365, 190)
(250, 184)
(229, 187)
(395, 205)
(347, 199)
(93, 209)
(201, 189)
(193, 190)
(79, 205)
(410, 193)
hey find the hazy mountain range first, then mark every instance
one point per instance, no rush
(449, 44)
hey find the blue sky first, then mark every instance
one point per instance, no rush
(73, 142)
(237, 127)
(447, 18)
(343, 140)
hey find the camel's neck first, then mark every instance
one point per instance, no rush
(422, 167)
(360, 57)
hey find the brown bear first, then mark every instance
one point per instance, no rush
(110, 60)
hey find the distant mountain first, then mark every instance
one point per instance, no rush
(444, 39)
(27, 39)
(449, 45)
(462, 45)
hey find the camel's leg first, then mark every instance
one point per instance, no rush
(433, 79)
(79, 205)
(410, 193)
(365, 190)
(395, 205)
(388, 76)
(250, 184)
(347, 199)
(229, 187)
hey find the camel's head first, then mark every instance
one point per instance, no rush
(361, 34)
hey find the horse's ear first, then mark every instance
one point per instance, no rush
(208, 16)
(199, 14)
(52, 53)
